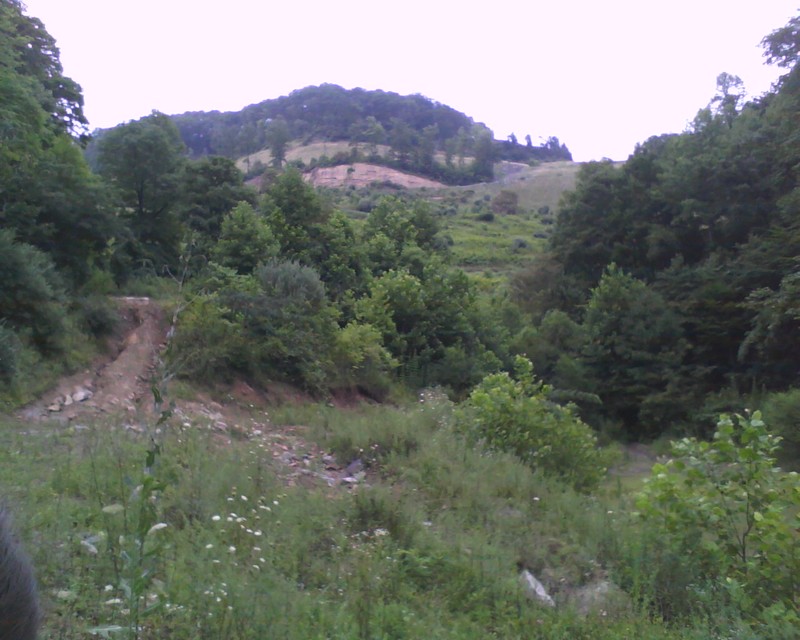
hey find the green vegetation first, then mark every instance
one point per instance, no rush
(171, 532)
(413, 129)
(655, 296)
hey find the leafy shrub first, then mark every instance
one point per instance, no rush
(97, 315)
(208, 343)
(729, 518)
(9, 354)
(782, 413)
(361, 360)
(517, 416)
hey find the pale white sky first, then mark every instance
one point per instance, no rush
(600, 75)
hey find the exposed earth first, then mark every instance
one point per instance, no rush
(118, 389)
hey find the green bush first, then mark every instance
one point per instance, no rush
(517, 416)
(782, 412)
(96, 315)
(9, 354)
(727, 519)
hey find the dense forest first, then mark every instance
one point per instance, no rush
(669, 288)
(669, 292)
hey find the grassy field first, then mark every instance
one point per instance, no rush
(175, 530)
(497, 244)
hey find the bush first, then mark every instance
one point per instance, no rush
(97, 316)
(9, 354)
(517, 416)
(729, 519)
(782, 413)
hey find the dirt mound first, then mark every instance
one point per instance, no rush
(361, 174)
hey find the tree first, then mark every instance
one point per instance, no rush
(633, 352)
(208, 189)
(31, 51)
(295, 212)
(726, 513)
(245, 240)
(277, 136)
(142, 161)
(782, 46)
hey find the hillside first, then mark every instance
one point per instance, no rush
(409, 133)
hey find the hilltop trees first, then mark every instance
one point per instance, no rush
(415, 128)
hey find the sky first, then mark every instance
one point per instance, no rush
(602, 76)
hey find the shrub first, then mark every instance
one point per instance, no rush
(729, 518)
(517, 416)
(9, 354)
(782, 413)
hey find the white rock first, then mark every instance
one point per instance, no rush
(535, 589)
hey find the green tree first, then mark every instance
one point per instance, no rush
(208, 189)
(295, 212)
(28, 50)
(32, 299)
(278, 137)
(142, 161)
(633, 351)
(245, 240)
(725, 509)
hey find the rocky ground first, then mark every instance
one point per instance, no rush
(118, 388)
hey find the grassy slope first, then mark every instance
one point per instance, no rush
(508, 241)
(428, 547)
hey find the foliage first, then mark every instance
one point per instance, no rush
(516, 415)
(31, 295)
(208, 189)
(633, 350)
(360, 360)
(782, 412)
(245, 240)
(414, 126)
(142, 160)
(724, 509)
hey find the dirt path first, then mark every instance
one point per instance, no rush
(119, 385)
(118, 381)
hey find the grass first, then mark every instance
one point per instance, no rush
(428, 546)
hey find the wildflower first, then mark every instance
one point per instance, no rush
(231, 549)
(215, 518)
(209, 546)
(157, 527)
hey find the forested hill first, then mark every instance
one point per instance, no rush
(414, 128)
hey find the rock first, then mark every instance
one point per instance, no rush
(354, 467)
(67, 400)
(81, 393)
(534, 589)
(56, 406)
(600, 596)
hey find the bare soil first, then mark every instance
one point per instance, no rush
(117, 388)
(361, 174)
(120, 380)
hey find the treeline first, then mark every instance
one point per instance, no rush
(670, 288)
(281, 285)
(414, 128)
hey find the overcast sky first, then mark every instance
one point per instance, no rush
(600, 75)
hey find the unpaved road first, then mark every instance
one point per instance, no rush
(118, 381)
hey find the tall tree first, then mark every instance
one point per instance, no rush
(142, 160)
(278, 136)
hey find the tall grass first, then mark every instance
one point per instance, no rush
(172, 534)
